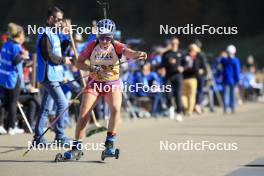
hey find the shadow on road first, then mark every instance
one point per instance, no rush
(213, 126)
(218, 135)
(25, 161)
(49, 161)
(254, 165)
(12, 148)
(254, 168)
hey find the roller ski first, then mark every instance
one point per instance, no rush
(110, 151)
(71, 155)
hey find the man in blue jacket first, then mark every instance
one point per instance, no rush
(50, 73)
(231, 77)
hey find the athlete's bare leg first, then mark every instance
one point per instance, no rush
(114, 100)
(88, 102)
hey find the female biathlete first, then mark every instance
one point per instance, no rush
(101, 58)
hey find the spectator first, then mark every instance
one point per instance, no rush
(28, 97)
(158, 98)
(194, 66)
(49, 55)
(201, 79)
(2, 129)
(148, 78)
(250, 62)
(11, 73)
(231, 77)
(217, 71)
(174, 64)
(250, 87)
(156, 56)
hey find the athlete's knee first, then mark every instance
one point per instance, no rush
(115, 110)
(84, 113)
(84, 116)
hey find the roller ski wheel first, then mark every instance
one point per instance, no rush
(59, 158)
(69, 155)
(117, 151)
(108, 154)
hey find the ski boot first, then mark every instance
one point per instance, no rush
(74, 154)
(110, 151)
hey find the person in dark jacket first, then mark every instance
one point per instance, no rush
(195, 66)
(173, 62)
(201, 79)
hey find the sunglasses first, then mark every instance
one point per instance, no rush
(103, 38)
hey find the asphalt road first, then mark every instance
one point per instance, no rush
(140, 144)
